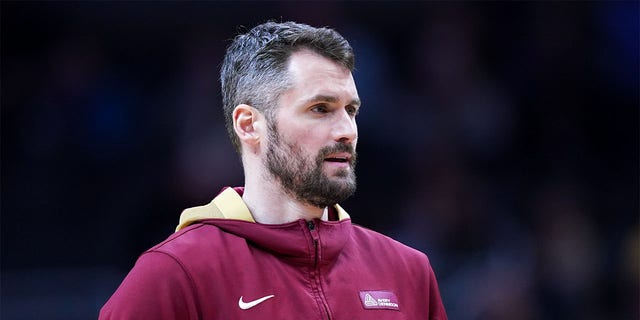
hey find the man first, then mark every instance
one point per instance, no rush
(281, 247)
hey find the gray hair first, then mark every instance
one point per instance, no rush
(254, 69)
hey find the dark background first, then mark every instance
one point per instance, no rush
(499, 138)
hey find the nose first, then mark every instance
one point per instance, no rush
(345, 129)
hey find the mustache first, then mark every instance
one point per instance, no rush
(338, 148)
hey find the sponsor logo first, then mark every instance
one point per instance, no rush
(379, 299)
(369, 301)
(247, 305)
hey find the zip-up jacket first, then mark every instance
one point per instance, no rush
(221, 264)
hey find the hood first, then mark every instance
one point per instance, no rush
(292, 241)
(228, 204)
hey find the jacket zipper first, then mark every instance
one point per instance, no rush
(316, 268)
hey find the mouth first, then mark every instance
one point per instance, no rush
(338, 158)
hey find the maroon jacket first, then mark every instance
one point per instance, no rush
(229, 267)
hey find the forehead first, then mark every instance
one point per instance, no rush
(311, 74)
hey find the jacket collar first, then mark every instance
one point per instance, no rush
(229, 205)
(293, 241)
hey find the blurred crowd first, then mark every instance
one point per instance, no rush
(499, 138)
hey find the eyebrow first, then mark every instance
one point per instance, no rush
(330, 99)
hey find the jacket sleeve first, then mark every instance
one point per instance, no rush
(156, 288)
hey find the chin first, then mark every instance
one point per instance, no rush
(342, 173)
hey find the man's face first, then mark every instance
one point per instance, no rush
(311, 143)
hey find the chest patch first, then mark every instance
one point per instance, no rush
(379, 299)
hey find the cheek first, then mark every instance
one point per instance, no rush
(298, 144)
(309, 138)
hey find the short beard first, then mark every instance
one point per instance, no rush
(304, 179)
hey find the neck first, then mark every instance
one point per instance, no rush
(270, 204)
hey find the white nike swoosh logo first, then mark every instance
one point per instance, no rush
(246, 305)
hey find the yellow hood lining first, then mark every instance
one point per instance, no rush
(228, 205)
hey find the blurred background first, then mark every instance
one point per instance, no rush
(499, 138)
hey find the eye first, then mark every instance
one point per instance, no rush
(321, 108)
(352, 110)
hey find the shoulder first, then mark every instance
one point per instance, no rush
(187, 255)
(186, 247)
(381, 239)
(385, 250)
(142, 295)
(194, 237)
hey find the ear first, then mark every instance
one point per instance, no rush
(247, 123)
